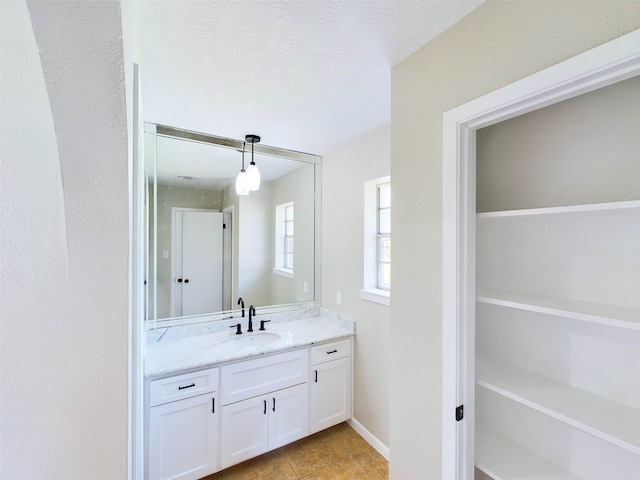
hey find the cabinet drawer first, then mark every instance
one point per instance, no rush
(263, 375)
(187, 385)
(330, 351)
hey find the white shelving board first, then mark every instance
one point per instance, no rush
(613, 315)
(571, 209)
(504, 459)
(612, 421)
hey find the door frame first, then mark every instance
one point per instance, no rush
(227, 254)
(609, 63)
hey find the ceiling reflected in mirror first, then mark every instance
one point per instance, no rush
(186, 163)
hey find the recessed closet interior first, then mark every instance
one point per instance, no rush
(558, 290)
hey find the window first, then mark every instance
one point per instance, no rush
(377, 241)
(384, 235)
(288, 237)
(284, 240)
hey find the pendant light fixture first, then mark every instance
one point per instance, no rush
(242, 180)
(253, 174)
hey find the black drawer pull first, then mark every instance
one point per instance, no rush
(213, 404)
(332, 351)
(188, 386)
(265, 407)
(274, 404)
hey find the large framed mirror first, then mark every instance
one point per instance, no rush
(207, 246)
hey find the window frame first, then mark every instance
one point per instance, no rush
(370, 290)
(282, 251)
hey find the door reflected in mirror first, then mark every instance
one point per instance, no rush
(208, 246)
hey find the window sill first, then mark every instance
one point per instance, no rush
(283, 272)
(376, 295)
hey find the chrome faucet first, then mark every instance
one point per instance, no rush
(241, 302)
(252, 312)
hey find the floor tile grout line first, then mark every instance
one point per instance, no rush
(328, 465)
(319, 469)
(349, 453)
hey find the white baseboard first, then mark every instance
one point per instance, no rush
(371, 439)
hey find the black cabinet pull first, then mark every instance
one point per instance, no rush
(316, 376)
(332, 351)
(274, 404)
(265, 407)
(186, 280)
(213, 405)
(188, 386)
(179, 280)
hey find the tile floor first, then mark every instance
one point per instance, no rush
(333, 454)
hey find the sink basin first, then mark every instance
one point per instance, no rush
(256, 339)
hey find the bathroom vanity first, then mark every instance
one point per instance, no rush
(218, 398)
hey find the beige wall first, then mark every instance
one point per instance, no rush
(583, 150)
(296, 187)
(496, 44)
(253, 218)
(64, 272)
(344, 173)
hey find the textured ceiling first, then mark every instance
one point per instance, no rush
(305, 75)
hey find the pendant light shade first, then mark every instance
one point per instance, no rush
(242, 180)
(253, 174)
(253, 177)
(242, 185)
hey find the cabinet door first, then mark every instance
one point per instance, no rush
(330, 401)
(244, 430)
(288, 415)
(183, 439)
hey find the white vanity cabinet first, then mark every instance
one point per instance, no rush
(183, 426)
(264, 402)
(265, 405)
(330, 385)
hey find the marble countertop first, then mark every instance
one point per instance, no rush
(177, 355)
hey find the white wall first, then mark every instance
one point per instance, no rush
(496, 44)
(344, 173)
(64, 242)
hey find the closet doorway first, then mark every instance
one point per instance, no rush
(608, 64)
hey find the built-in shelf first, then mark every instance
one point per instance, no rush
(606, 314)
(504, 459)
(612, 421)
(594, 207)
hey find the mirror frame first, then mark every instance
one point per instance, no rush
(316, 160)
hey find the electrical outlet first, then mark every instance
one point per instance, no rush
(305, 287)
(339, 298)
